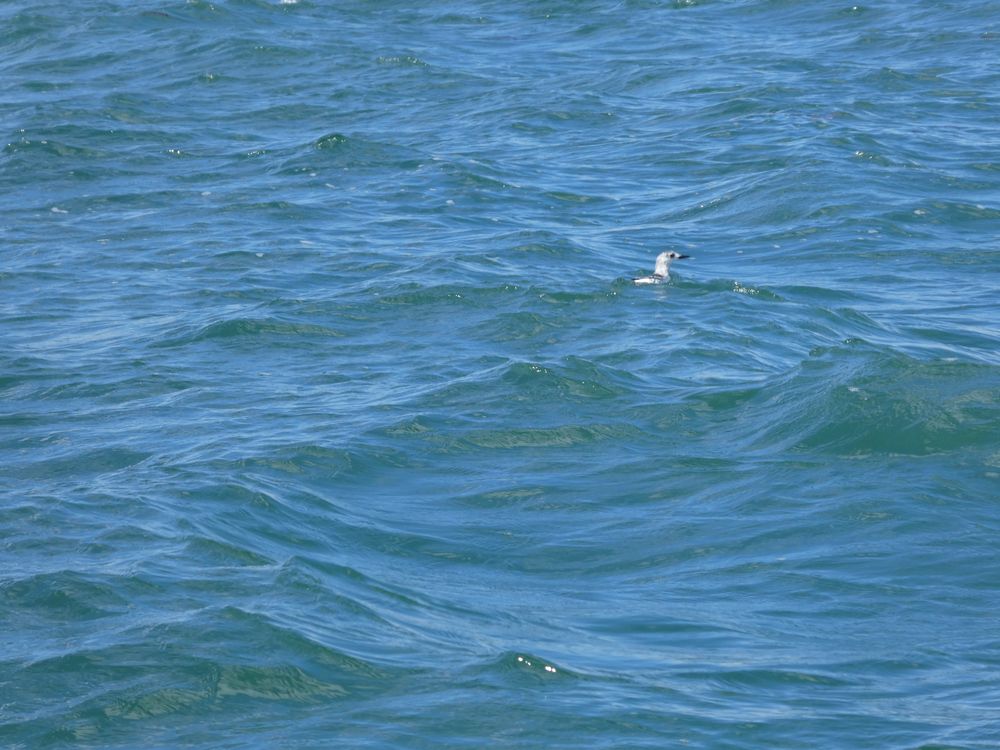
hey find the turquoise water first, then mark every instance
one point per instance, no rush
(330, 417)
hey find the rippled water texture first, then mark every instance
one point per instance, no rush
(330, 417)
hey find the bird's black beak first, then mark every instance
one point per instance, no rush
(682, 257)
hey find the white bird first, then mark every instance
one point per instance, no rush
(661, 271)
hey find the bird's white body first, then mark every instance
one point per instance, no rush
(654, 279)
(661, 271)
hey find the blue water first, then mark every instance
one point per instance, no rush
(330, 417)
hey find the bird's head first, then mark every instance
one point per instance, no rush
(663, 261)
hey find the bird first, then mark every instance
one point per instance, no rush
(661, 271)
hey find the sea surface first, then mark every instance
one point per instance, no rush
(330, 416)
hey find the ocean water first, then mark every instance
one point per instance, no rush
(330, 417)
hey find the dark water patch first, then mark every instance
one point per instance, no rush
(724, 285)
(900, 406)
(480, 177)
(342, 589)
(448, 294)
(539, 242)
(342, 151)
(29, 22)
(516, 326)
(257, 631)
(252, 328)
(30, 150)
(768, 681)
(317, 460)
(130, 389)
(72, 462)
(870, 402)
(551, 437)
(278, 209)
(63, 596)
(548, 296)
(215, 552)
(400, 60)
(505, 385)
(510, 497)
(577, 379)
(123, 697)
(521, 666)
(817, 295)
